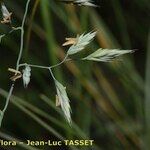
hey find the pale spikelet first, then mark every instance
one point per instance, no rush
(4, 10)
(26, 76)
(6, 14)
(106, 55)
(86, 3)
(81, 42)
(63, 100)
(80, 2)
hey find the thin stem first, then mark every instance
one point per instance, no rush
(34, 66)
(7, 102)
(22, 35)
(18, 60)
(60, 62)
(8, 97)
(50, 70)
(45, 67)
(14, 29)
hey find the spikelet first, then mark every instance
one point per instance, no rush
(81, 42)
(26, 76)
(6, 14)
(80, 2)
(63, 100)
(106, 55)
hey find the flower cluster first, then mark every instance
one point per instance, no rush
(76, 44)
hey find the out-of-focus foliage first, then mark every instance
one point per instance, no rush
(109, 100)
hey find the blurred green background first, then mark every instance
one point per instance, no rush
(110, 101)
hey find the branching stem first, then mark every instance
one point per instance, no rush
(18, 60)
(12, 30)
(46, 67)
(18, 65)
